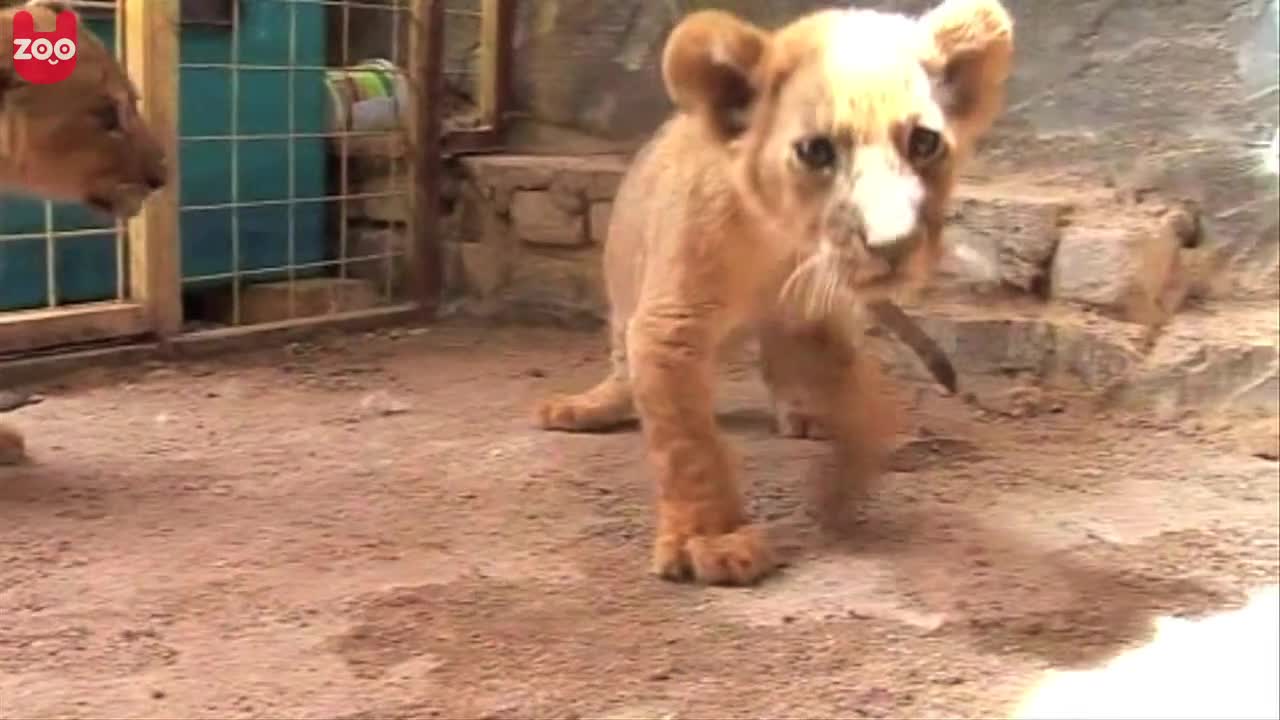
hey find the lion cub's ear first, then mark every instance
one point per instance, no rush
(711, 65)
(45, 12)
(58, 6)
(973, 40)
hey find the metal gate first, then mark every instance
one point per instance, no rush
(304, 147)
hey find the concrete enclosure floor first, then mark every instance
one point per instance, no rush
(368, 526)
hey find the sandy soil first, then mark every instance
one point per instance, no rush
(369, 527)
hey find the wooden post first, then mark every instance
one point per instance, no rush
(426, 58)
(151, 57)
(497, 18)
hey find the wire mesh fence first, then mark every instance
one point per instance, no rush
(304, 134)
(295, 194)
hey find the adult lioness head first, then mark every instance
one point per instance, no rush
(80, 139)
(845, 128)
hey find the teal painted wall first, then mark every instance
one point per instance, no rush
(86, 265)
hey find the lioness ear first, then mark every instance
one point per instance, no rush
(973, 40)
(710, 66)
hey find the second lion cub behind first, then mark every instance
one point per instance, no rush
(804, 175)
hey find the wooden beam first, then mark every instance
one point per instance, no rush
(201, 344)
(151, 57)
(457, 142)
(248, 337)
(426, 61)
(497, 19)
(31, 369)
(24, 331)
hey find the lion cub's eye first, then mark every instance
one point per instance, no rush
(817, 153)
(109, 117)
(923, 144)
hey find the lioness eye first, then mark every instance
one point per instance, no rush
(109, 117)
(923, 144)
(818, 153)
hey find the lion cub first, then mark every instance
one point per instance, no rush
(80, 139)
(803, 176)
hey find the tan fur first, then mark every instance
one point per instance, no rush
(727, 225)
(81, 139)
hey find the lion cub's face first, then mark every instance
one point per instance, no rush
(845, 126)
(81, 139)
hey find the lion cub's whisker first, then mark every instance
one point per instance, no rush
(818, 285)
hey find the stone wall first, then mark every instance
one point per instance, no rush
(525, 236)
(1094, 289)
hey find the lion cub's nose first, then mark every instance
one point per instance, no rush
(155, 181)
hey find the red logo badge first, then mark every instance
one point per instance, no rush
(44, 57)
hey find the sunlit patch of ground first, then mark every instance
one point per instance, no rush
(1225, 665)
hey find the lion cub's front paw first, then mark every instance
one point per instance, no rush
(557, 413)
(588, 412)
(791, 423)
(741, 557)
(569, 413)
(13, 449)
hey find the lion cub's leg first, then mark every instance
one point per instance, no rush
(13, 450)
(702, 528)
(821, 385)
(605, 405)
(789, 371)
(818, 376)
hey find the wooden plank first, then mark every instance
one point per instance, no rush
(23, 331)
(426, 54)
(461, 142)
(34, 369)
(504, 65)
(247, 337)
(201, 344)
(496, 17)
(151, 56)
(194, 12)
(270, 302)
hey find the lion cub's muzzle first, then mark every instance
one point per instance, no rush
(873, 259)
(124, 200)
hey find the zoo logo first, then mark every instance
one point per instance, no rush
(44, 57)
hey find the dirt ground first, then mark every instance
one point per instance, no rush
(368, 526)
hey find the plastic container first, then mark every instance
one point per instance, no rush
(369, 96)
